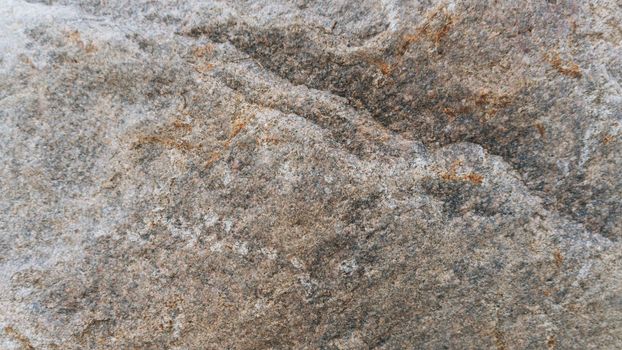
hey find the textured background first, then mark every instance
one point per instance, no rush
(276, 174)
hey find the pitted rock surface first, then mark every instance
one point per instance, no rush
(267, 174)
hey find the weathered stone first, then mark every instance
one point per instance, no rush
(310, 175)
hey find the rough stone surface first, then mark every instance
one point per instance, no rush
(271, 174)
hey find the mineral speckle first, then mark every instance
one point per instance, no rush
(267, 174)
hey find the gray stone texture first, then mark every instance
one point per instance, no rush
(271, 174)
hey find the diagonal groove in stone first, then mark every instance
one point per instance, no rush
(401, 87)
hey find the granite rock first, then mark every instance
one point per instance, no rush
(269, 174)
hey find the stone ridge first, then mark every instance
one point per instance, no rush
(310, 175)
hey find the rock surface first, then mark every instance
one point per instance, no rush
(270, 174)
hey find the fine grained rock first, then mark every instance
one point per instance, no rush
(269, 174)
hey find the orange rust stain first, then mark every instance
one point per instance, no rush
(486, 97)
(22, 339)
(436, 34)
(214, 156)
(452, 112)
(406, 41)
(451, 175)
(559, 258)
(550, 343)
(178, 124)
(474, 178)
(442, 32)
(608, 138)
(237, 127)
(491, 102)
(202, 51)
(165, 141)
(384, 67)
(204, 68)
(569, 68)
